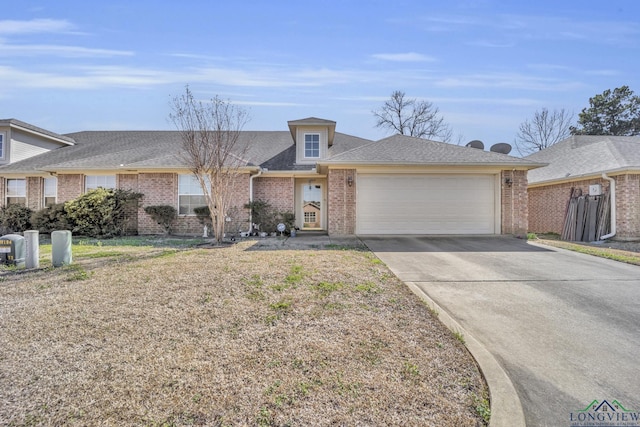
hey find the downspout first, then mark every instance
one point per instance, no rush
(612, 190)
(251, 198)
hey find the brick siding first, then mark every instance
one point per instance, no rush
(342, 202)
(278, 192)
(514, 202)
(162, 189)
(35, 199)
(628, 206)
(70, 187)
(157, 189)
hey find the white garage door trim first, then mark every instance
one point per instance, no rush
(427, 204)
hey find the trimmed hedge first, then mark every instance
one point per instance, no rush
(164, 215)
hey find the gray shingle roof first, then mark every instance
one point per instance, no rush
(36, 129)
(583, 155)
(100, 150)
(401, 149)
(274, 150)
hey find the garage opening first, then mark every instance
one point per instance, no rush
(427, 204)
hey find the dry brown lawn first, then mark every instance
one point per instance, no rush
(225, 337)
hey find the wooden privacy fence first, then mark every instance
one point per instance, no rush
(587, 217)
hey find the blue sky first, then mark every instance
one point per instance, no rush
(487, 65)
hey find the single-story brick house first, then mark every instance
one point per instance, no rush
(578, 162)
(397, 185)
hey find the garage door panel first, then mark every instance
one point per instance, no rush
(426, 204)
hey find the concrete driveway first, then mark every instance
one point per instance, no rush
(564, 326)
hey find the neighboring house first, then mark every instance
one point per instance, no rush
(581, 161)
(398, 185)
(311, 211)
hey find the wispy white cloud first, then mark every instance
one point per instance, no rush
(35, 26)
(507, 81)
(87, 78)
(91, 77)
(549, 67)
(491, 44)
(604, 73)
(403, 57)
(270, 104)
(516, 102)
(59, 50)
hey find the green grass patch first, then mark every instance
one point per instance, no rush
(482, 406)
(295, 276)
(613, 254)
(78, 273)
(327, 288)
(459, 336)
(368, 288)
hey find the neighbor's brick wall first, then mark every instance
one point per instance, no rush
(628, 206)
(514, 211)
(278, 192)
(342, 202)
(70, 187)
(548, 204)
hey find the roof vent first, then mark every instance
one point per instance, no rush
(501, 147)
(476, 143)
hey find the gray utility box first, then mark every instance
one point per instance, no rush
(12, 250)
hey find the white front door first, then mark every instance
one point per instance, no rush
(311, 205)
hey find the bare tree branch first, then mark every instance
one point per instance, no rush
(543, 130)
(212, 149)
(412, 117)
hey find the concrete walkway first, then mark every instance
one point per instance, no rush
(562, 325)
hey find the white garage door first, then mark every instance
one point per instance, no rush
(426, 204)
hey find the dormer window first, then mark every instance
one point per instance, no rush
(312, 145)
(312, 137)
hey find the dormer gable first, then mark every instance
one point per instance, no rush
(20, 140)
(312, 137)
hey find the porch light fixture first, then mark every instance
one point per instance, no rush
(508, 181)
(350, 181)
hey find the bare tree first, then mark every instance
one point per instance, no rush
(212, 149)
(412, 117)
(543, 130)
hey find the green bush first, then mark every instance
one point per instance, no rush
(267, 218)
(204, 215)
(15, 218)
(287, 218)
(101, 212)
(50, 219)
(164, 215)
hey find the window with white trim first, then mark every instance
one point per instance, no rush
(309, 217)
(312, 145)
(50, 191)
(16, 192)
(190, 195)
(91, 182)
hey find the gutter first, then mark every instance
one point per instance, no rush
(251, 197)
(612, 189)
